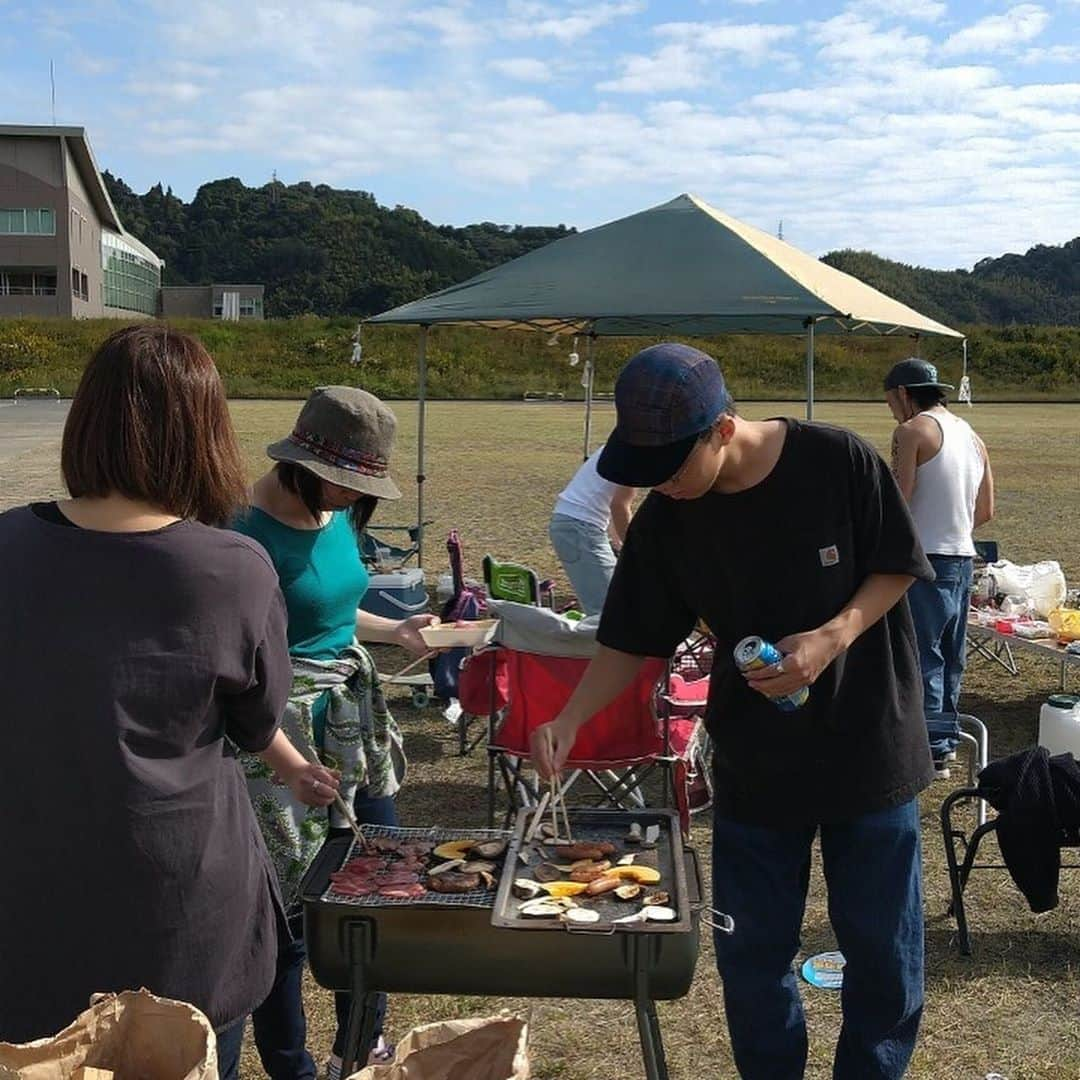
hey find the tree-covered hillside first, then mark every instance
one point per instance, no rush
(323, 251)
(1041, 287)
(318, 250)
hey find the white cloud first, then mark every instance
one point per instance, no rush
(1052, 54)
(183, 93)
(673, 67)
(920, 10)
(999, 33)
(852, 42)
(537, 20)
(523, 69)
(693, 53)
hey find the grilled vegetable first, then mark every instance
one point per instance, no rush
(541, 909)
(488, 849)
(454, 849)
(659, 913)
(643, 875)
(656, 898)
(450, 864)
(524, 889)
(628, 892)
(478, 866)
(546, 872)
(580, 915)
(557, 889)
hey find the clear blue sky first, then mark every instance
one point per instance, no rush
(932, 131)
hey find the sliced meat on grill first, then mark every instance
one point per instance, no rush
(402, 892)
(397, 877)
(387, 843)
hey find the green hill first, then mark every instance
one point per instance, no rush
(324, 251)
(317, 250)
(1041, 287)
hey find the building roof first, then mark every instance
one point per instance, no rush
(79, 145)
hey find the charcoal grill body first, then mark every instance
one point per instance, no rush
(433, 949)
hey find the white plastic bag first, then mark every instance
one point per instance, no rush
(1042, 584)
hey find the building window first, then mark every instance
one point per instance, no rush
(250, 307)
(130, 282)
(22, 281)
(23, 222)
(85, 282)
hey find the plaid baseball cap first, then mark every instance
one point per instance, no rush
(665, 397)
(914, 372)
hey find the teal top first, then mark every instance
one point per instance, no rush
(322, 578)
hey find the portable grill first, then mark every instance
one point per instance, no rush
(476, 943)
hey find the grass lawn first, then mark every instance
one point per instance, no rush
(493, 472)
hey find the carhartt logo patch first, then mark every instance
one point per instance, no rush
(829, 556)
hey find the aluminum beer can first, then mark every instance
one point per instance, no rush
(755, 652)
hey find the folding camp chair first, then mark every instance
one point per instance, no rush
(517, 583)
(949, 731)
(620, 748)
(387, 556)
(962, 849)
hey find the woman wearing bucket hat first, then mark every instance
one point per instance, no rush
(329, 475)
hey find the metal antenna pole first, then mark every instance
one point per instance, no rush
(809, 369)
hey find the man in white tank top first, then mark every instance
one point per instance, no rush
(590, 513)
(942, 468)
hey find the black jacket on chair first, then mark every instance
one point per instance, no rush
(1037, 798)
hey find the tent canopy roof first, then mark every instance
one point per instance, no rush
(680, 268)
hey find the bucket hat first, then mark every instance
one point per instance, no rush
(914, 373)
(665, 397)
(343, 435)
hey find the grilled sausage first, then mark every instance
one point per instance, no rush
(601, 885)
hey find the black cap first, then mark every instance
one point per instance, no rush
(913, 373)
(665, 397)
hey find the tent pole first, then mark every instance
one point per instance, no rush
(421, 364)
(590, 374)
(809, 369)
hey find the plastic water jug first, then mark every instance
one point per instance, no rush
(1059, 724)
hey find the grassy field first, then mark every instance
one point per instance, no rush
(493, 471)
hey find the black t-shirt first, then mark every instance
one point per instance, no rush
(780, 558)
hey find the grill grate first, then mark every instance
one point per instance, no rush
(475, 898)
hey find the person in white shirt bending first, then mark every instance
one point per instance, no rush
(943, 469)
(587, 528)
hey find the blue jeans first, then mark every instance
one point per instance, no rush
(939, 610)
(279, 1023)
(587, 557)
(874, 878)
(230, 1041)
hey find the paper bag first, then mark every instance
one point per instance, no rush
(491, 1048)
(133, 1035)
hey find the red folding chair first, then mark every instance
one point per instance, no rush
(619, 748)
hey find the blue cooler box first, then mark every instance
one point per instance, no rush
(396, 595)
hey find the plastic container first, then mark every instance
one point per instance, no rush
(448, 636)
(396, 595)
(1059, 724)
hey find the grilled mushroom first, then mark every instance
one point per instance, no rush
(488, 849)
(453, 881)
(547, 872)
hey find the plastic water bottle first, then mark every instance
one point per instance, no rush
(1059, 724)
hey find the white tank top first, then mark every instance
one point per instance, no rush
(588, 495)
(946, 486)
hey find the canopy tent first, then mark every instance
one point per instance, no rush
(682, 268)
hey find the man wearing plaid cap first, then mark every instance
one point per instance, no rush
(795, 532)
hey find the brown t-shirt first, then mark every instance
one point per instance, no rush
(131, 856)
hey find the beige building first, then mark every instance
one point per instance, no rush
(228, 302)
(63, 249)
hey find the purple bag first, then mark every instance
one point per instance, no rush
(467, 602)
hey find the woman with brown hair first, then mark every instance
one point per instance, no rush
(139, 646)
